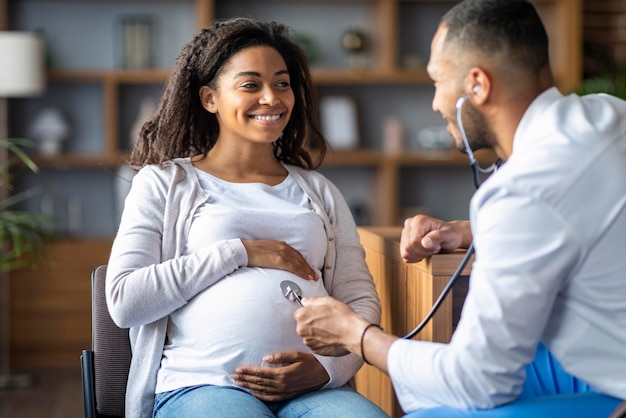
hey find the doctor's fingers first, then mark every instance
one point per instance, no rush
(420, 238)
(418, 226)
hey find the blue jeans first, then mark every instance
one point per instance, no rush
(231, 402)
(549, 391)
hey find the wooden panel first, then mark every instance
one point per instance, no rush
(407, 293)
(4, 20)
(605, 30)
(205, 13)
(371, 382)
(51, 305)
(56, 393)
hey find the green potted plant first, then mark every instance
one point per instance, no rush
(22, 234)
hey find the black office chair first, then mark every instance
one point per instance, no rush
(105, 366)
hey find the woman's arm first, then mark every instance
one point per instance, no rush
(148, 278)
(142, 287)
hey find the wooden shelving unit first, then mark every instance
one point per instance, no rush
(109, 84)
(562, 18)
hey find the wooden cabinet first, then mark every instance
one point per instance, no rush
(407, 293)
(51, 305)
(101, 100)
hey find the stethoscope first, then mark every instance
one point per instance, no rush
(476, 170)
(293, 293)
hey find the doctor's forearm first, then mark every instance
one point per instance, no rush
(375, 347)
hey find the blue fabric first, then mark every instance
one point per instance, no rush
(232, 402)
(549, 391)
(587, 405)
(545, 376)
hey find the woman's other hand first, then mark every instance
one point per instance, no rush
(298, 373)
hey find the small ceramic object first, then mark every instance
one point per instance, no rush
(50, 129)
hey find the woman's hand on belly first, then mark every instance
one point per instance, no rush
(300, 373)
(278, 255)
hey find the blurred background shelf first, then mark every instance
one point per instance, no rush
(102, 99)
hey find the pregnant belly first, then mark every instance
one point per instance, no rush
(238, 321)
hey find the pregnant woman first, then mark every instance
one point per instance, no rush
(226, 205)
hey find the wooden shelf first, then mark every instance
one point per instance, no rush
(103, 76)
(442, 158)
(371, 158)
(365, 77)
(352, 158)
(562, 18)
(320, 76)
(79, 161)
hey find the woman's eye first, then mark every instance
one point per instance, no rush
(283, 84)
(249, 85)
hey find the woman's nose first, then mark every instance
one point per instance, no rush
(269, 97)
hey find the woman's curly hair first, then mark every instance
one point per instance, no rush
(181, 127)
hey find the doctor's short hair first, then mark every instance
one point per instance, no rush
(509, 27)
(181, 127)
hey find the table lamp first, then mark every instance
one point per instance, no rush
(22, 74)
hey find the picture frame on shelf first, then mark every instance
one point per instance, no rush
(339, 121)
(136, 33)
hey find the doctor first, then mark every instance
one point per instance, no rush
(542, 328)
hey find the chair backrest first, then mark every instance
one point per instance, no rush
(111, 351)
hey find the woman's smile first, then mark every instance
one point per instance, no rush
(270, 120)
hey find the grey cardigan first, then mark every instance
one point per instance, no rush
(148, 277)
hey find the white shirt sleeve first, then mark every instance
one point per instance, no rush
(521, 264)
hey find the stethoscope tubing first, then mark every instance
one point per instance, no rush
(476, 170)
(453, 279)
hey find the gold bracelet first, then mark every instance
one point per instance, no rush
(363, 337)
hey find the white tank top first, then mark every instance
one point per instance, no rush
(244, 316)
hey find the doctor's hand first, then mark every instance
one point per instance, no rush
(329, 327)
(332, 328)
(423, 236)
(278, 255)
(299, 373)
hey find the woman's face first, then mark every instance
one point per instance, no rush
(253, 99)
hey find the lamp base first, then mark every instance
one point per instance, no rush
(15, 381)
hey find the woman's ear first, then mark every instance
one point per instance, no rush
(207, 98)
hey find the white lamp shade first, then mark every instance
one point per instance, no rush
(21, 64)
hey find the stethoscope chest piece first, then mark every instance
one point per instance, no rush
(291, 291)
